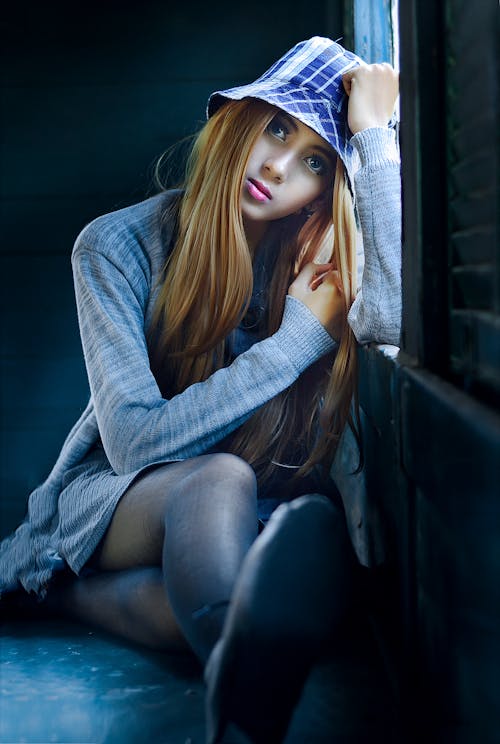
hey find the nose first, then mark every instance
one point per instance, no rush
(276, 166)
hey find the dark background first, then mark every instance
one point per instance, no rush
(92, 94)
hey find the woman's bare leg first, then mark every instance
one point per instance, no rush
(171, 555)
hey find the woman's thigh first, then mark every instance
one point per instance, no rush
(136, 532)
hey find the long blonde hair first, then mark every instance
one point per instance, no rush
(207, 286)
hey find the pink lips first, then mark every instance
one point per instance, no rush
(258, 190)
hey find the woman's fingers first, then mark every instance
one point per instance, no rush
(310, 273)
(372, 90)
(330, 276)
(318, 286)
(346, 80)
(320, 275)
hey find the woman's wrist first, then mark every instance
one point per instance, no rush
(301, 335)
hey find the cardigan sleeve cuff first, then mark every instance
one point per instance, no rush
(376, 146)
(301, 336)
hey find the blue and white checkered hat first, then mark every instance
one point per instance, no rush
(306, 83)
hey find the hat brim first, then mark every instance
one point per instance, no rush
(322, 115)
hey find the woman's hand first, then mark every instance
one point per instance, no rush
(372, 91)
(318, 287)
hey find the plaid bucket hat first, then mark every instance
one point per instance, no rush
(306, 83)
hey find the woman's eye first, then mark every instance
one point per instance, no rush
(278, 129)
(317, 164)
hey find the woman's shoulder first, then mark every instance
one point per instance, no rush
(142, 226)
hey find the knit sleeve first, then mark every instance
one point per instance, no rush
(137, 426)
(376, 312)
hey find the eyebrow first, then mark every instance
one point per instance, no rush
(328, 152)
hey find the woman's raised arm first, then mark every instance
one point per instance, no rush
(376, 312)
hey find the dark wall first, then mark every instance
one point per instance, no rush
(92, 94)
(433, 440)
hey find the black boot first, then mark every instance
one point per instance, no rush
(293, 592)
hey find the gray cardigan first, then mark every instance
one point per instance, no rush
(127, 425)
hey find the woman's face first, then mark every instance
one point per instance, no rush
(290, 166)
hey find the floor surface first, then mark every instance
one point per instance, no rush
(61, 682)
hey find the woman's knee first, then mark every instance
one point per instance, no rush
(222, 474)
(218, 497)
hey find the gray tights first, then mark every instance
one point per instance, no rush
(167, 565)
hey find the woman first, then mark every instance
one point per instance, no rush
(219, 326)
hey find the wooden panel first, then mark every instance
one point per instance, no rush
(472, 187)
(451, 451)
(373, 38)
(423, 148)
(472, 286)
(472, 245)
